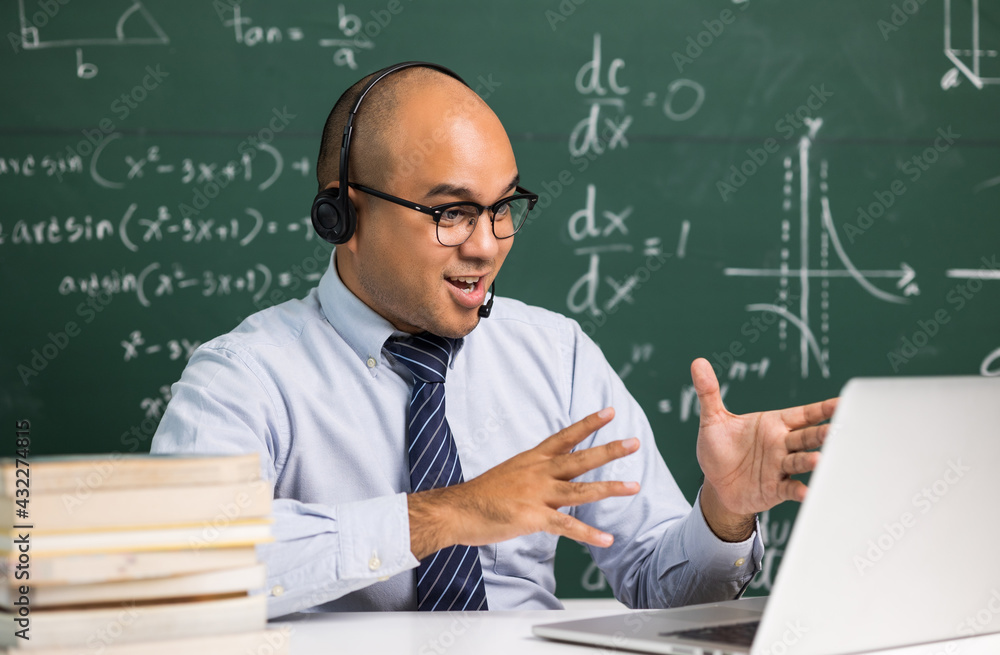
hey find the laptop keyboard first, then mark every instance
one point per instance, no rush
(739, 634)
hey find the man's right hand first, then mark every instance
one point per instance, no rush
(522, 495)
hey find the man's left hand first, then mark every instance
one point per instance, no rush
(748, 459)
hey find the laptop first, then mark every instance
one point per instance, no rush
(896, 543)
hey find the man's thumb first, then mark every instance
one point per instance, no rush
(706, 385)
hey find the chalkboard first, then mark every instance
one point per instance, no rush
(802, 192)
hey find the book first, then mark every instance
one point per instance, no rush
(135, 507)
(192, 537)
(130, 622)
(129, 565)
(206, 583)
(272, 642)
(72, 473)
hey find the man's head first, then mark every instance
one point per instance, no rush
(423, 136)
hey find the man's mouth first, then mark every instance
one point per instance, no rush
(465, 284)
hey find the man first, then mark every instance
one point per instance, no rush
(331, 391)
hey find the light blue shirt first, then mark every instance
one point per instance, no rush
(308, 386)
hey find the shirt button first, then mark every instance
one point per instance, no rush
(383, 578)
(739, 562)
(374, 563)
(371, 362)
(277, 590)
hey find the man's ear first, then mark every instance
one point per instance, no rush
(361, 209)
(333, 219)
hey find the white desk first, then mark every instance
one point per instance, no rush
(489, 633)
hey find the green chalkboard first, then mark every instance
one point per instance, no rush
(803, 192)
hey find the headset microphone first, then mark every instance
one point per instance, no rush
(484, 310)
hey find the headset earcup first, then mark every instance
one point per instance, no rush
(332, 222)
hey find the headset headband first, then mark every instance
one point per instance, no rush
(345, 146)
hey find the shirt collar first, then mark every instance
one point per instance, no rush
(364, 329)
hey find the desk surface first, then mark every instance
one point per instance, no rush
(486, 633)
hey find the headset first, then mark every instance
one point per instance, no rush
(334, 216)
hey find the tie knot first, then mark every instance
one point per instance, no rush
(426, 355)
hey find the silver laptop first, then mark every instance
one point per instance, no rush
(897, 542)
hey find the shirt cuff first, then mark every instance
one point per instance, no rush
(717, 559)
(375, 538)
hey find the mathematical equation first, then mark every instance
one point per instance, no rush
(686, 404)
(125, 167)
(136, 26)
(157, 281)
(587, 226)
(136, 228)
(47, 165)
(174, 349)
(355, 34)
(114, 167)
(608, 119)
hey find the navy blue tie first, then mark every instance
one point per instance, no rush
(452, 578)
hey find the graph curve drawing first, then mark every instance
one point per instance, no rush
(814, 336)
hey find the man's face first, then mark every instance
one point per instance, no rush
(402, 271)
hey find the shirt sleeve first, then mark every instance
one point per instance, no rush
(224, 404)
(664, 553)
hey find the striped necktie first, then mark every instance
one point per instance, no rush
(452, 578)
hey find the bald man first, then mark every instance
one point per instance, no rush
(545, 437)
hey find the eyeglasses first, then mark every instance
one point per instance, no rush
(456, 221)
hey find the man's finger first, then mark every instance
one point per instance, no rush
(792, 490)
(805, 415)
(565, 525)
(807, 438)
(706, 385)
(567, 438)
(581, 493)
(571, 465)
(801, 462)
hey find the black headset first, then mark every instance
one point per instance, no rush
(333, 214)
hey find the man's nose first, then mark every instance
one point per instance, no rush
(481, 244)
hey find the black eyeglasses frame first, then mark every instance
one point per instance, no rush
(435, 211)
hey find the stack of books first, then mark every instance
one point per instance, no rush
(137, 554)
